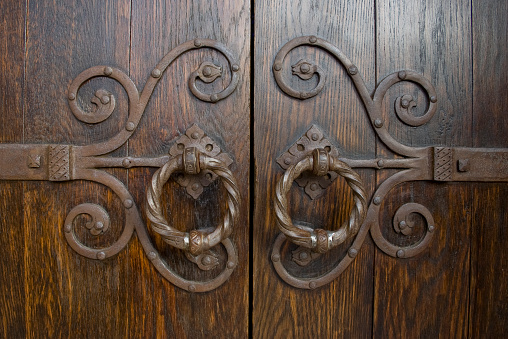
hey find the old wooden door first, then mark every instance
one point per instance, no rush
(454, 287)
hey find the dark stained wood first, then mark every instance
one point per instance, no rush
(427, 295)
(343, 308)
(12, 275)
(489, 293)
(67, 294)
(158, 27)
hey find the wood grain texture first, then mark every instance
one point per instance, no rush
(157, 28)
(12, 275)
(488, 316)
(343, 308)
(67, 294)
(426, 296)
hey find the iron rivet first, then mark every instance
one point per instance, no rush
(277, 67)
(156, 73)
(275, 257)
(207, 260)
(401, 253)
(305, 68)
(431, 228)
(195, 187)
(105, 100)
(304, 255)
(352, 252)
(128, 203)
(99, 225)
(108, 71)
(313, 187)
(231, 264)
(235, 68)
(197, 43)
(72, 96)
(214, 98)
(433, 99)
(287, 161)
(402, 224)
(68, 228)
(378, 123)
(312, 284)
(404, 103)
(101, 255)
(208, 176)
(209, 147)
(192, 288)
(314, 136)
(377, 200)
(130, 126)
(402, 75)
(126, 162)
(195, 135)
(313, 39)
(381, 163)
(353, 70)
(207, 71)
(152, 255)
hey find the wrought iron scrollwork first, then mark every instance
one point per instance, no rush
(414, 164)
(71, 162)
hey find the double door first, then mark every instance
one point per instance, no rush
(115, 87)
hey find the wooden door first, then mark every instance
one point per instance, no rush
(455, 287)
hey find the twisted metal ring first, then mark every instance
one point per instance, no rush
(320, 162)
(196, 241)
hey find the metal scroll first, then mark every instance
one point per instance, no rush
(71, 162)
(412, 164)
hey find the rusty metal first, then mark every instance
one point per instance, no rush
(412, 164)
(70, 162)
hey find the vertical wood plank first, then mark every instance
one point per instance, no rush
(489, 292)
(12, 276)
(157, 28)
(427, 295)
(66, 294)
(344, 307)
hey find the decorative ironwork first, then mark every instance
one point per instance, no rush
(70, 162)
(414, 164)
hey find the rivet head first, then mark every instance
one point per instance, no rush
(312, 285)
(404, 103)
(195, 135)
(230, 264)
(72, 96)
(287, 161)
(235, 68)
(433, 99)
(402, 224)
(99, 225)
(68, 228)
(353, 70)
(105, 100)
(192, 288)
(197, 43)
(214, 98)
(312, 39)
(195, 187)
(101, 255)
(378, 123)
(402, 75)
(377, 200)
(277, 67)
(275, 257)
(401, 254)
(128, 203)
(207, 260)
(207, 71)
(108, 71)
(352, 252)
(126, 162)
(313, 187)
(305, 68)
(381, 163)
(314, 136)
(431, 228)
(152, 255)
(156, 73)
(130, 126)
(304, 255)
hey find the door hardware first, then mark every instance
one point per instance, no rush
(433, 163)
(72, 162)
